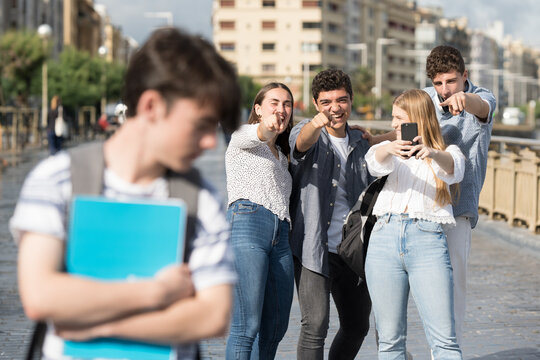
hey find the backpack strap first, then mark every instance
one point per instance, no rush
(186, 186)
(87, 167)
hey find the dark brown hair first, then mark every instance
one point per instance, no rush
(282, 139)
(443, 59)
(179, 65)
(331, 79)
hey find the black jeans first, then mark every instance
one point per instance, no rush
(353, 305)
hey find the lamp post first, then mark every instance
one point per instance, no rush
(378, 71)
(359, 47)
(167, 15)
(306, 86)
(44, 32)
(102, 51)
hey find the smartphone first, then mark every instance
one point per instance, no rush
(445, 109)
(409, 131)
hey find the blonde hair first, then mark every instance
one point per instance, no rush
(420, 109)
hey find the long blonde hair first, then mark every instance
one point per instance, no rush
(420, 109)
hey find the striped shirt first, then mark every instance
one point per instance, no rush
(42, 208)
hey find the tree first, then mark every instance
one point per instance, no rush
(79, 78)
(362, 83)
(21, 57)
(249, 90)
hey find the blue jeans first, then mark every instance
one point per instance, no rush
(410, 254)
(55, 142)
(264, 292)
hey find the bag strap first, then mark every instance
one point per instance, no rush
(34, 350)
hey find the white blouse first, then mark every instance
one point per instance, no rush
(255, 174)
(410, 187)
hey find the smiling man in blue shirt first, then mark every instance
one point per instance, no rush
(465, 113)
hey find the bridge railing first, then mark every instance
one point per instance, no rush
(511, 190)
(21, 127)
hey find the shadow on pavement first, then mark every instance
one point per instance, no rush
(514, 354)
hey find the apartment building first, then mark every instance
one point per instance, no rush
(282, 40)
(399, 73)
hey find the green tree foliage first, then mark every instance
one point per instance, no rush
(82, 80)
(362, 82)
(76, 78)
(249, 90)
(21, 57)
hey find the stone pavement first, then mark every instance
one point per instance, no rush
(503, 317)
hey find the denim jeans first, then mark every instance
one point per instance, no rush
(353, 305)
(264, 292)
(406, 254)
(55, 142)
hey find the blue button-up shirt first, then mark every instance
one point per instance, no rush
(315, 178)
(472, 136)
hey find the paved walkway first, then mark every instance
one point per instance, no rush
(503, 317)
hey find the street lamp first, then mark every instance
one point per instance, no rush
(102, 51)
(359, 47)
(167, 15)
(378, 71)
(44, 32)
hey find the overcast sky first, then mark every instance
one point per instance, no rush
(521, 17)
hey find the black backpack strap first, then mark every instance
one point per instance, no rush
(186, 186)
(34, 350)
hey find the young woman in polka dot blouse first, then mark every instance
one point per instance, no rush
(258, 187)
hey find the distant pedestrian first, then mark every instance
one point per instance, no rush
(55, 141)
(177, 88)
(465, 113)
(259, 187)
(329, 173)
(407, 249)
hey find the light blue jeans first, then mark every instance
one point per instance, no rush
(264, 292)
(405, 255)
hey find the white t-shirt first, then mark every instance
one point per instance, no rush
(41, 209)
(341, 207)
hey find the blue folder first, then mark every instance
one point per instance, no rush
(112, 240)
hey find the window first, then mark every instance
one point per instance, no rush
(227, 25)
(268, 3)
(311, 47)
(333, 7)
(268, 46)
(333, 49)
(311, 25)
(268, 68)
(268, 25)
(333, 28)
(311, 4)
(227, 3)
(312, 67)
(227, 46)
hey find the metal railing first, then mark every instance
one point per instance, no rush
(20, 127)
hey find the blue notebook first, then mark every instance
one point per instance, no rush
(112, 240)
